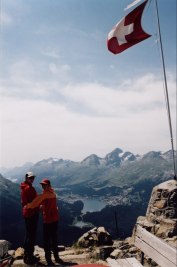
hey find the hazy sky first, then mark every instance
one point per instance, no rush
(64, 95)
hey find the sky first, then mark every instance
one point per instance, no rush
(64, 95)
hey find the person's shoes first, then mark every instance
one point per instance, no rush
(59, 260)
(30, 260)
(50, 263)
(25, 258)
(34, 258)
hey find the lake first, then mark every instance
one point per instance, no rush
(91, 205)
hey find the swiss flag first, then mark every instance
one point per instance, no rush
(127, 32)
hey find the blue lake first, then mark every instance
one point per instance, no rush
(92, 205)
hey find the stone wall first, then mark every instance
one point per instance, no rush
(160, 220)
(161, 216)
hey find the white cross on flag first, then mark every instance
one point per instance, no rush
(127, 32)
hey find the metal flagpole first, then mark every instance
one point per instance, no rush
(166, 90)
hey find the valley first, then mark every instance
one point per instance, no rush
(111, 192)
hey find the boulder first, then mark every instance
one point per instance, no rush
(19, 253)
(105, 252)
(4, 247)
(95, 237)
(116, 253)
(104, 238)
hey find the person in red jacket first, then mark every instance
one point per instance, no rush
(28, 194)
(48, 202)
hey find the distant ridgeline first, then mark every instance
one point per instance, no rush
(117, 168)
(123, 180)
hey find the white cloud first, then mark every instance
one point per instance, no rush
(87, 118)
(62, 70)
(38, 80)
(12, 12)
(51, 52)
(52, 82)
(6, 19)
(136, 95)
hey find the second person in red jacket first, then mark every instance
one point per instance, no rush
(48, 202)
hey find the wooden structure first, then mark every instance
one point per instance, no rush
(153, 247)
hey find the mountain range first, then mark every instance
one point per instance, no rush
(117, 168)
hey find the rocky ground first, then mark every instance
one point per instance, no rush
(90, 251)
(70, 256)
(93, 247)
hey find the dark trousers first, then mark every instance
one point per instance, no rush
(30, 236)
(50, 239)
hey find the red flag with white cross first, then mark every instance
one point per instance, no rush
(127, 32)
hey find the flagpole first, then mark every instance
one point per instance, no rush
(166, 90)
